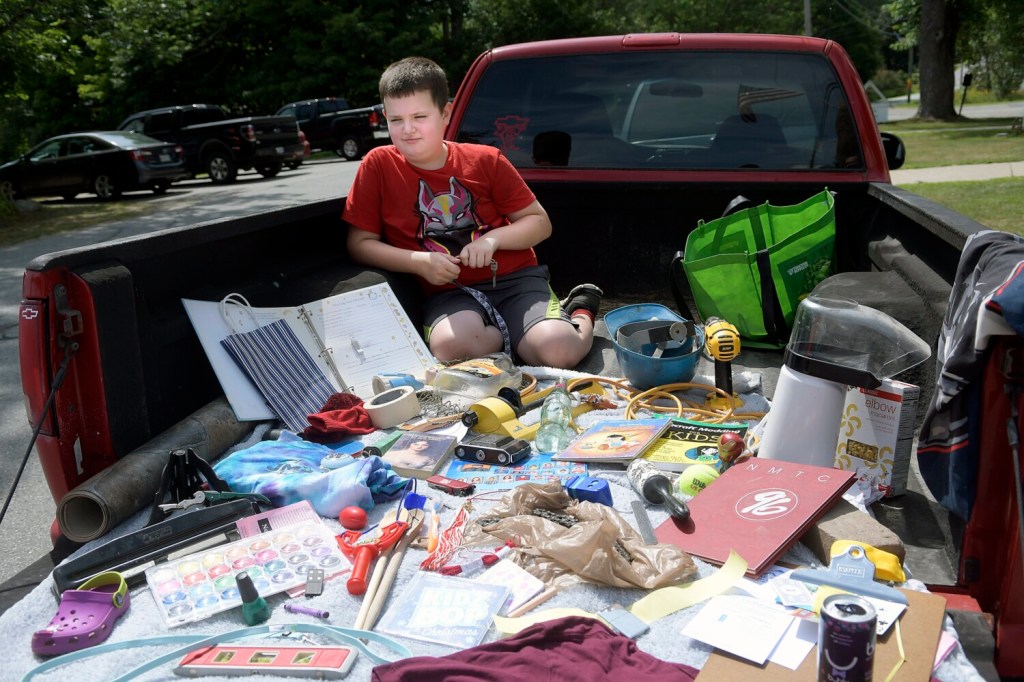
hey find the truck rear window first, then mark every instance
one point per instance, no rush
(655, 110)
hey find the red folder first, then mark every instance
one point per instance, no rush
(759, 508)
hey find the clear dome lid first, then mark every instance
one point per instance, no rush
(840, 340)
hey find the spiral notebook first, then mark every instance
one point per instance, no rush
(350, 337)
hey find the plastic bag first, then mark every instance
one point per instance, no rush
(587, 550)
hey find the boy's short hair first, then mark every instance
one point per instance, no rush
(414, 74)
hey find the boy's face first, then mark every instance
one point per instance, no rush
(417, 128)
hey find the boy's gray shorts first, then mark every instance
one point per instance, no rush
(523, 298)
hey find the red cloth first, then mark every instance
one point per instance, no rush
(342, 414)
(570, 648)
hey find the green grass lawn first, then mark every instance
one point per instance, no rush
(943, 143)
(998, 204)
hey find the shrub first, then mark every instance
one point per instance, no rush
(892, 83)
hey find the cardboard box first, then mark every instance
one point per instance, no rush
(876, 434)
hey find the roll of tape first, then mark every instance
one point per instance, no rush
(392, 407)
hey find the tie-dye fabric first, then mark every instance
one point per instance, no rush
(290, 469)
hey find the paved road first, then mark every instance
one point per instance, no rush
(901, 112)
(25, 532)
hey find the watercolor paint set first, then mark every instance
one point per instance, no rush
(202, 584)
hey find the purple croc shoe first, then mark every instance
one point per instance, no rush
(85, 616)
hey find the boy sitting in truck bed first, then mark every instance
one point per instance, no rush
(460, 218)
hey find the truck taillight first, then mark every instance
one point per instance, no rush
(180, 151)
(249, 132)
(374, 119)
(34, 352)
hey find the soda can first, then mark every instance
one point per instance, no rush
(846, 639)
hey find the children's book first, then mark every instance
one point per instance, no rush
(688, 442)
(537, 468)
(613, 440)
(419, 455)
(447, 610)
(759, 508)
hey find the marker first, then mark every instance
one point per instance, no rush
(308, 610)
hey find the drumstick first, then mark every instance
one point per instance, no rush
(533, 603)
(394, 562)
(378, 570)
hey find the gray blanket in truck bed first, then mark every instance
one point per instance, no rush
(664, 640)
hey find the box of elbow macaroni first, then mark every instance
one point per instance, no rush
(876, 434)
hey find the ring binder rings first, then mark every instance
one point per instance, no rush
(349, 337)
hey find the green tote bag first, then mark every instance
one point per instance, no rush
(753, 267)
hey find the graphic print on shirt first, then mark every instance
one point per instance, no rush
(448, 220)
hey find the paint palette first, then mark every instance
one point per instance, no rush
(202, 584)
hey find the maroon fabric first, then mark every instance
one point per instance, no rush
(343, 414)
(571, 648)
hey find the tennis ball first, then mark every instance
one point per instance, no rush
(695, 478)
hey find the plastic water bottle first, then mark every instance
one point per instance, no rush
(555, 414)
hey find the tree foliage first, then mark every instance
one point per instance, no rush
(77, 64)
(986, 36)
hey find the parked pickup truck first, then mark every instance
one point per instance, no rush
(329, 124)
(628, 142)
(220, 146)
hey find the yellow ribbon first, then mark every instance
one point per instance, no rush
(658, 604)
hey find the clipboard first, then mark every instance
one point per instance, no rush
(920, 625)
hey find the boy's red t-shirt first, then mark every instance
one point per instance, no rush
(440, 210)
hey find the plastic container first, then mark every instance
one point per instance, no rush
(677, 363)
(467, 382)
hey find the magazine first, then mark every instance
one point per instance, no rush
(689, 442)
(447, 610)
(537, 468)
(419, 455)
(613, 440)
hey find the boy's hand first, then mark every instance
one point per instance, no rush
(437, 268)
(478, 254)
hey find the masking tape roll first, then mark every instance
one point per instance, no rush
(392, 407)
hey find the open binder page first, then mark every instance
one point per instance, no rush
(367, 332)
(351, 337)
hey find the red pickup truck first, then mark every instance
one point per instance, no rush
(628, 142)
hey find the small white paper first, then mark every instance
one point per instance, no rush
(888, 613)
(799, 640)
(742, 626)
(522, 585)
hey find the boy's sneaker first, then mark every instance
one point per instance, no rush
(583, 297)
